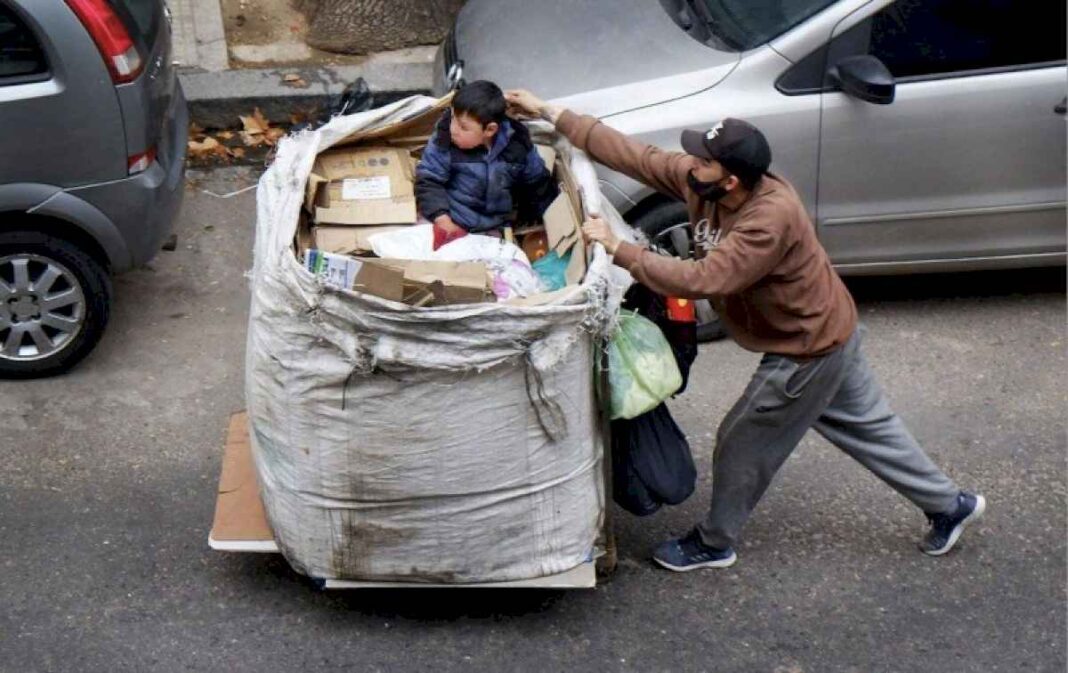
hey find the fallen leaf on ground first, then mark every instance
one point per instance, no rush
(255, 123)
(293, 79)
(253, 140)
(224, 135)
(274, 134)
(237, 152)
(206, 147)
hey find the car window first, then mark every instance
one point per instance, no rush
(21, 56)
(917, 38)
(143, 16)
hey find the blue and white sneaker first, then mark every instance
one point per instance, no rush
(690, 553)
(946, 528)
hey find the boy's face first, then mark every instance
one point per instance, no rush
(467, 133)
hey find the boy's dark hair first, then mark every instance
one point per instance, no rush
(482, 100)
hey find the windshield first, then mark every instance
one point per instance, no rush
(745, 24)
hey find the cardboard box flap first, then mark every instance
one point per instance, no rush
(561, 222)
(547, 154)
(419, 124)
(347, 240)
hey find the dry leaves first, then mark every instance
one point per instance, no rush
(294, 80)
(256, 131)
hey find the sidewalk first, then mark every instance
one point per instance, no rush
(218, 92)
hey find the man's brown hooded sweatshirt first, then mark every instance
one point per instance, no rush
(763, 268)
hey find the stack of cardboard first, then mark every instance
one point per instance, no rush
(367, 187)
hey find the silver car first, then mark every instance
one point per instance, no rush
(923, 135)
(92, 159)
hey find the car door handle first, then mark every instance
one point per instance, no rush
(1061, 107)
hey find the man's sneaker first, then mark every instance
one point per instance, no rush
(690, 553)
(946, 528)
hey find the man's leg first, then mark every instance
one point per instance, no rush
(860, 422)
(783, 400)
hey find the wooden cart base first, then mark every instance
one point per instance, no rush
(241, 525)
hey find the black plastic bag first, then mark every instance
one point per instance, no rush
(651, 462)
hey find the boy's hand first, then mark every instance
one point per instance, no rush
(523, 103)
(446, 231)
(445, 223)
(597, 230)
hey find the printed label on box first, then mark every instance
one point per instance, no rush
(361, 189)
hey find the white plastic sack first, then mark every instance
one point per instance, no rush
(440, 444)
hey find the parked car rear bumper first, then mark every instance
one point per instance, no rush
(144, 207)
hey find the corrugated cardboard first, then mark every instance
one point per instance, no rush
(464, 282)
(547, 154)
(239, 514)
(561, 224)
(381, 281)
(363, 186)
(347, 239)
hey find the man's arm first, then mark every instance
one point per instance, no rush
(749, 252)
(661, 170)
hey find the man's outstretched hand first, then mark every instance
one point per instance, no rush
(597, 230)
(522, 103)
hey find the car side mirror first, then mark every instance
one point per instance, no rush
(864, 77)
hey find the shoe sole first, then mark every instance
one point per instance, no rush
(720, 563)
(977, 513)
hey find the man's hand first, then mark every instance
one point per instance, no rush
(597, 230)
(525, 104)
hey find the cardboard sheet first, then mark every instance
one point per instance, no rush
(239, 513)
(348, 240)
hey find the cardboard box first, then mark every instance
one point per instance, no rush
(362, 186)
(461, 282)
(348, 240)
(342, 271)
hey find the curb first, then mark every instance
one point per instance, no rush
(217, 98)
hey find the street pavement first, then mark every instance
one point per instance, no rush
(109, 479)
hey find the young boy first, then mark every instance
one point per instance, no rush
(478, 167)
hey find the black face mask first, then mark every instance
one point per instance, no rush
(708, 191)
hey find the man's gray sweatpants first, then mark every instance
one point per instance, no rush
(836, 394)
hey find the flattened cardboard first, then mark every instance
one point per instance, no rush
(561, 223)
(547, 154)
(374, 172)
(380, 280)
(348, 240)
(420, 124)
(464, 282)
(239, 513)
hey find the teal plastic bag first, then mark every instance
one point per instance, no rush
(552, 270)
(642, 371)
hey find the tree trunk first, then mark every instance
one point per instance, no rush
(363, 26)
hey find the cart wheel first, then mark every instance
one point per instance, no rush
(606, 563)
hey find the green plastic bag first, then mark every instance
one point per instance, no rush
(642, 371)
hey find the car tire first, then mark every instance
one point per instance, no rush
(656, 221)
(54, 304)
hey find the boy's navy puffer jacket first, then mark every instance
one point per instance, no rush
(479, 189)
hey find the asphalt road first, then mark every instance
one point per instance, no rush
(108, 488)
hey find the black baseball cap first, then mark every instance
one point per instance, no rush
(736, 144)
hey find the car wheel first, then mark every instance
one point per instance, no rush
(54, 304)
(668, 230)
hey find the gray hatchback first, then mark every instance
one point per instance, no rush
(92, 161)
